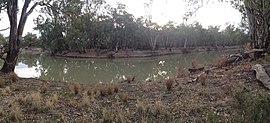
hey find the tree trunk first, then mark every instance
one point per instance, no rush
(16, 31)
(10, 60)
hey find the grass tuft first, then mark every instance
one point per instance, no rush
(34, 100)
(15, 113)
(169, 84)
(13, 77)
(193, 63)
(2, 83)
(50, 102)
(220, 62)
(107, 115)
(85, 101)
(76, 88)
(6, 91)
(124, 97)
(180, 72)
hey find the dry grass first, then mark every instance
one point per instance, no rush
(140, 107)
(76, 88)
(50, 102)
(120, 116)
(2, 83)
(85, 101)
(180, 72)
(248, 47)
(193, 63)
(107, 115)
(124, 97)
(15, 113)
(2, 113)
(202, 79)
(13, 77)
(159, 109)
(6, 91)
(34, 100)
(108, 89)
(169, 84)
(220, 62)
(130, 78)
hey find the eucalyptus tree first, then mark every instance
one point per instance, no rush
(167, 30)
(255, 12)
(30, 40)
(17, 24)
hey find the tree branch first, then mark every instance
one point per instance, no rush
(4, 29)
(31, 9)
(24, 15)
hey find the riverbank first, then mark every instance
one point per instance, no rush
(223, 95)
(105, 54)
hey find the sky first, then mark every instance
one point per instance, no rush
(212, 13)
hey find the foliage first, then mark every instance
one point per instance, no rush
(30, 40)
(81, 25)
(254, 107)
(2, 40)
(255, 18)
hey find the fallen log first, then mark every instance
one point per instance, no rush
(233, 58)
(261, 75)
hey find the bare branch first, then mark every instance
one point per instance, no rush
(4, 29)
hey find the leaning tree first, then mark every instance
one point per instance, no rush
(17, 24)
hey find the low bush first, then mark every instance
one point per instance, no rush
(253, 106)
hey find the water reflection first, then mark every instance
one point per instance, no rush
(97, 70)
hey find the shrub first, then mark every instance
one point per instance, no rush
(254, 107)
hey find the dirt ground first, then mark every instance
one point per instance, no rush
(210, 99)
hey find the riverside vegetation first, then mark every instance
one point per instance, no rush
(226, 94)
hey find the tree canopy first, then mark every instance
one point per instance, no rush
(80, 25)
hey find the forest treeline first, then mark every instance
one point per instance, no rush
(77, 25)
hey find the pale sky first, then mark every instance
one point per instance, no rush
(162, 12)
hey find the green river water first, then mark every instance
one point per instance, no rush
(105, 70)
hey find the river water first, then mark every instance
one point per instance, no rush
(104, 70)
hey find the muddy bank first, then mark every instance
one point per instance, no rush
(139, 53)
(211, 99)
(104, 54)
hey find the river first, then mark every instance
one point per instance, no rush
(105, 70)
